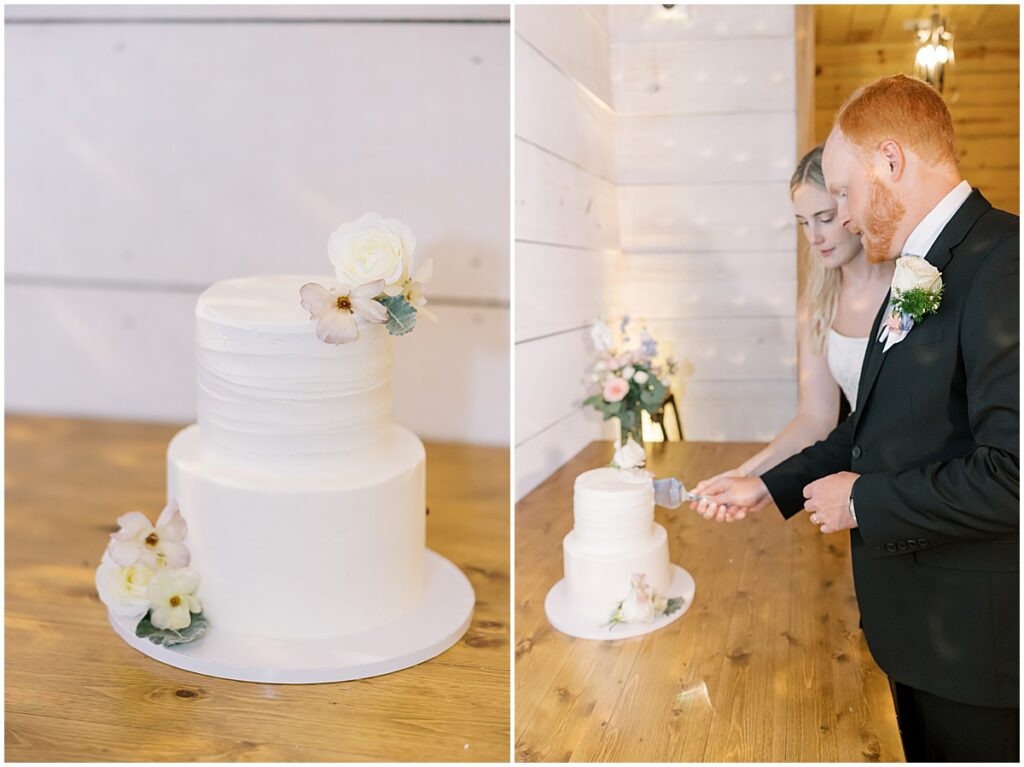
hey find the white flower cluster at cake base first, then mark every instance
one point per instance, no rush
(373, 265)
(642, 605)
(144, 576)
(628, 375)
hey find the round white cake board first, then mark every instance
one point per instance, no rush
(563, 617)
(436, 623)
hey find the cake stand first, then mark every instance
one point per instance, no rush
(563, 617)
(436, 623)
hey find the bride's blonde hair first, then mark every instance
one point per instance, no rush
(821, 289)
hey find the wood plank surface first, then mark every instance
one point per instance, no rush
(75, 692)
(767, 665)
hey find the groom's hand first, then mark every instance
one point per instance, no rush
(731, 498)
(828, 500)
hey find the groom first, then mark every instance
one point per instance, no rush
(925, 472)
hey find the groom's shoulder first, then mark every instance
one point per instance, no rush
(995, 234)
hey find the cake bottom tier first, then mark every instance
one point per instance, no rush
(303, 550)
(598, 580)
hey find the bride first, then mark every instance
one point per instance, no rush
(834, 316)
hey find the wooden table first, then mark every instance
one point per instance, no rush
(75, 692)
(767, 665)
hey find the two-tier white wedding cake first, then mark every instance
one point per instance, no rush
(619, 581)
(292, 547)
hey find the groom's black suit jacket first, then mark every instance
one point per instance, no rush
(935, 437)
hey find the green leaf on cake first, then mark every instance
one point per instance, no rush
(169, 637)
(675, 604)
(401, 314)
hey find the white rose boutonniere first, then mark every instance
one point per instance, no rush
(916, 292)
(372, 248)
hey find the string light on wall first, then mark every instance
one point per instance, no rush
(934, 50)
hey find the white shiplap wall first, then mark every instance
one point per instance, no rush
(654, 150)
(151, 151)
(705, 143)
(567, 227)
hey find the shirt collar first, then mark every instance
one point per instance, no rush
(928, 230)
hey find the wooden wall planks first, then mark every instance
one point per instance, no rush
(982, 92)
(567, 230)
(148, 159)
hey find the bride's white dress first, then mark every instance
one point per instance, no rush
(845, 356)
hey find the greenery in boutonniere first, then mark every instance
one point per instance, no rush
(918, 302)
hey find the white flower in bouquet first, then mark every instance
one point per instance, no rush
(629, 456)
(123, 589)
(601, 335)
(628, 371)
(372, 248)
(171, 592)
(638, 607)
(641, 377)
(139, 542)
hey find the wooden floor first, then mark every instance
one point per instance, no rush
(767, 665)
(75, 692)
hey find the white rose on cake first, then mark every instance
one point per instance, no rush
(913, 272)
(630, 456)
(638, 607)
(372, 248)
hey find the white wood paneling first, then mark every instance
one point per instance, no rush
(573, 39)
(707, 217)
(553, 112)
(736, 411)
(560, 288)
(550, 379)
(728, 348)
(189, 153)
(538, 457)
(705, 149)
(696, 285)
(702, 76)
(131, 353)
(559, 203)
(148, 159)
(651, 23)
(567, 228)
(274, 12)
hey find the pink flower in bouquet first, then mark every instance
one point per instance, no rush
(615, 389)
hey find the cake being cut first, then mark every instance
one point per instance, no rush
(616, 557)
(296, 507)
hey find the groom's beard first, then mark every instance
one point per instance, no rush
(884, 215)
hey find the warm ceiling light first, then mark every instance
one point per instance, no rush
(934, 50)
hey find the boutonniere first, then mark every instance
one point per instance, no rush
(916, 292)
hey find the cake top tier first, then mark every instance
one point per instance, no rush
(613, 488)
(269, 302)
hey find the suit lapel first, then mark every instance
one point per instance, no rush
(939, 256)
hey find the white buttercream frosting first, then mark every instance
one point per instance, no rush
(614, 536)
(305, 505)
(268, 385)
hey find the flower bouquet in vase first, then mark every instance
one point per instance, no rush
(629, 377)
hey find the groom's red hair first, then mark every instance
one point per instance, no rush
(902, 109)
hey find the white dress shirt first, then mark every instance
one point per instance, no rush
(923, 237)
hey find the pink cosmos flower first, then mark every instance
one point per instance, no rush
(893, 323)
(334, 309)
(139, 542)
(615, 389)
